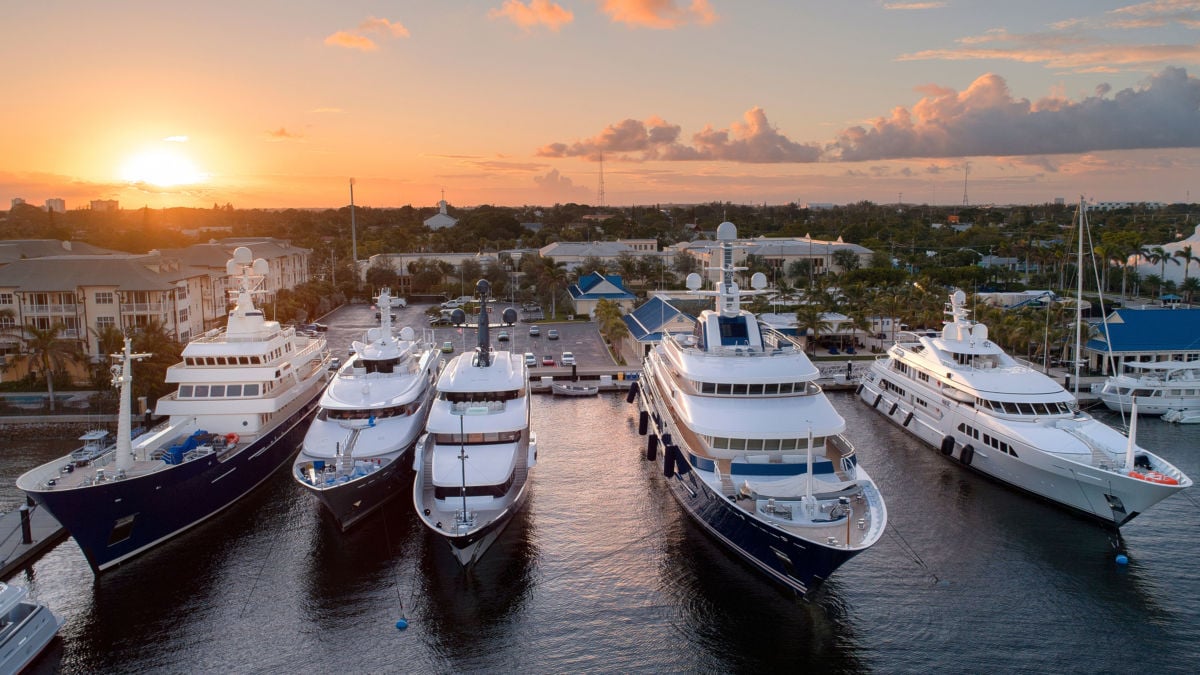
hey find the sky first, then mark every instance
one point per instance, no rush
(273, 104)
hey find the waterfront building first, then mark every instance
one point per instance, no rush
(1144, 335)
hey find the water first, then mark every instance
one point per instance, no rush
(604, 573)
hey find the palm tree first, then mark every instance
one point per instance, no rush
(51, 352)
(1158, 254)
(553, 274)
(811, 317)
(1185, 254)
(154, 339)
(1189, 287)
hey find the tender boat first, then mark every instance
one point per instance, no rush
(1182, 416)
(25, 628)
(244, 396)
(371, 414)
(574, 389)
(750, 446)
(472, 466)
(961, 393)
(1160, 387)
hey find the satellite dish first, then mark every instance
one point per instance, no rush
(231, 268)
(758, 281)
(242, 255)
(483, 289)
(407, 334)
(726, 231)
(261, 267)
(458, 316)
(694, 282)
(510, 316)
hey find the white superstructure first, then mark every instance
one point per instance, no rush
(369, 416)
(960, 392)
(1160, 387)
(472, 466)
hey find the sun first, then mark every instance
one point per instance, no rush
(162, 168)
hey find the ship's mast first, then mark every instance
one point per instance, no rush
(122, 378)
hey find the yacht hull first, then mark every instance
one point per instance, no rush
(117, 520)
(797, 563)
(349, 503)
(1100, 495)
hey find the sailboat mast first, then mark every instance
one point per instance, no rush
(1079, 299)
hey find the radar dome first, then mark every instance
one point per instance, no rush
(407, 334)
(483, 289)
(726, 231)
(510, 316)
(960, 297)
(458, 316)
(758, 281)
(694, 282)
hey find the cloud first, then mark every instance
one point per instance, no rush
(752, 141)
(913, 5)
(1085, 44)
(282, 134)
(557, 187)
(351, 41)
(355, 38)
(985, 119)
(982, 120)
(658, 14)
(536, 13)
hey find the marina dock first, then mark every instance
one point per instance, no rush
(21, 544)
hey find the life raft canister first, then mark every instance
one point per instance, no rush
(1154, 477)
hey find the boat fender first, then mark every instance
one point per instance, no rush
(893, 410)
(666, 439)
(231, 438)
(633, 392)
(681, 463)
(878, 398)
(968, 453)
(652, 447)
(643, 422)
(858, 390)
(669, 452)
(908, 418)
(948, 445)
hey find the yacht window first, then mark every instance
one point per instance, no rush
(737, 444)
(233, 390)
(754, 444)
(770, 389)
(756, 390)
(250, 390)
(217, 391)
(201, 390)
(739, 390)
(724, 389)
(708, 388)
(209, 361)
(185, 391)
(771, 444)
(244, 361)
(787, 444)
(785, 387)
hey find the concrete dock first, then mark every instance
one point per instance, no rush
(15, 551)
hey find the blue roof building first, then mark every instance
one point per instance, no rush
(1145, 335)
(655, 317)
(590, 289)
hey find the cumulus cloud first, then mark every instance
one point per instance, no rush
(985, 119)
(753, 140)
(356, 39)
(560, 188)
(536, 13)
(659, 14)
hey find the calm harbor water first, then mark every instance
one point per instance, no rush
(604, 573)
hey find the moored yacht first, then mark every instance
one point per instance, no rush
(472, 466)
(1160, 387)
(26, 627)
(750, 446)
(370, 415)
(244, 394)
(961, 393)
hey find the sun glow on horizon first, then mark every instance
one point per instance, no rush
(162, 168)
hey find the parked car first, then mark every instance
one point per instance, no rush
(568, 359)
(548, 360)
(502, 336)
(335, 363)
(530, 359)
(318, 327)
(552, 334)
(447, 347)
(534, 331)
(451, 304)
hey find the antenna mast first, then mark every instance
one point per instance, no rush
(966, 172)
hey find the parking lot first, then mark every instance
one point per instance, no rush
(349, 322)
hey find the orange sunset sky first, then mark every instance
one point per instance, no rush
(511, 102)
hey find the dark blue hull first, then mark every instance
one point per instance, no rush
(115, 521)
(349, 504)
(798, 564)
